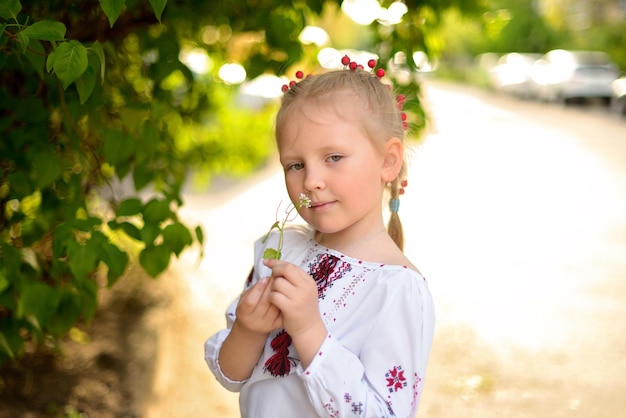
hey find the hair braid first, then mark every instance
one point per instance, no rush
(394, 226)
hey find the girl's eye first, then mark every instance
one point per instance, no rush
(335, 158)
(295, 167)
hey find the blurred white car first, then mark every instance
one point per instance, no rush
(512, 73)
(618, 101)
(563, 76)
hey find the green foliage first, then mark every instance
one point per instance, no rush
(517, 25)
(525, 26)
(611, 36)
(102, 123)
(79, 117)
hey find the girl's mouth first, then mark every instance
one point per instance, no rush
(321, 206)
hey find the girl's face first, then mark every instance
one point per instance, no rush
(331, 160)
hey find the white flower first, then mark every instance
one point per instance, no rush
(304, 201)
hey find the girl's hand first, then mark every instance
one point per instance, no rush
(255, 313)
(295, 293)
(256, 318)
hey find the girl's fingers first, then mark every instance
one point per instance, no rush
(281, 285)
(288, 271)
(256, 293)
(263, 284)
(280, 300)
(273, 315)
(252, 297)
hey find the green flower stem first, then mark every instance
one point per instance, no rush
(276, 253)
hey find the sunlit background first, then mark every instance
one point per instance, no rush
(517, 223)
(514, 213)
(515, 210)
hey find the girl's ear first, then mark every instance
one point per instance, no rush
(393, 159)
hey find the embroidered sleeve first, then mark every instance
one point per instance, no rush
(213, 345)
(212, 350)
(386, 378)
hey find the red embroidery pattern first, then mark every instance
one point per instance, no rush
(390, 409)
(416, 383)
(395, 379)
(332, 412)
(325, 270)
(249, 279)
(280, 363)
(357, 408)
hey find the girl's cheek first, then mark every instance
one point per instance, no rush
(293, 188)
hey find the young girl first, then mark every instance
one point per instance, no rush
(342, 324)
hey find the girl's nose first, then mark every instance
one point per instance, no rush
(313, 179)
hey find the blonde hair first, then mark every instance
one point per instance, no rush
(381, 116)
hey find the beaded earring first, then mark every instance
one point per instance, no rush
(394, 203)
(403, 184)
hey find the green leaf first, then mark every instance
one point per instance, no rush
(12, 335)
(4, 281)
(131, 230)
(150, 138)
(70, 62)
(46, 30)
(20, 184)
(23, 41)
(149, 233)
(10, 9)
(112, 9)
(67, 314)
(129, 207)
(154, 259)
(176, 237)
(86, 225)
(61, 238)
(158, 6)
(11, 258)
(115, 259)
(274, 225)
(52, 56)
(82, 258)
(200, 234)
(271, 253)
(142, 175)
(37, 59)
(96, 48)
(156, 211)
(89, 299)
(5, 347)
(38, 300)
(85, 84)
(200, 238)
(118, 147)
(48, 169)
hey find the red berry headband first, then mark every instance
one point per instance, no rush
(353, 66)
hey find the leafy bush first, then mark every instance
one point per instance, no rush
(67, 131)
(98, 136)
(102, 123)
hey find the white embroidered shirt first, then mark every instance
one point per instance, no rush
(380, 322)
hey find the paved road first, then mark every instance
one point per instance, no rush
(521, 224)
(516, 214)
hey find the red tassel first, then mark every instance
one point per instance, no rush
(280, 363)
